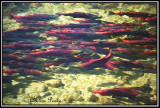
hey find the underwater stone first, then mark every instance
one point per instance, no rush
(67, 99)
(28, 90)
(54, 83)
(21, 77)
(93, 98)
(77, 97)
(104, 100)
(42, 88)
(45, 94)
(32, 77)
(89, 88)
(35, 95)
(121, 82)
(36, 87)
(20, 91)
(5, 68)
(15, 82)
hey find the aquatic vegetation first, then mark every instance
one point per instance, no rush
(55, 54)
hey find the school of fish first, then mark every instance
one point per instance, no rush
(20, 46)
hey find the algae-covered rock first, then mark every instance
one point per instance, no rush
(36, 87)
(54, 83)
(42, 88)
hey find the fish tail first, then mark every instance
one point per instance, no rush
(110, 53)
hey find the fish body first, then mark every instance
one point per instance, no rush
(68, 31)
(118, 91)
(95, 44)
(134, 14)
(153, 67)
(93, 63)
(124, 50)
(81, 25)
(24, 71)
(60, 36)
(31, 17)
(115, 31)
(63, 60)
(36, 24)
(17, 64)
(83, 58)
(51, 52)
(126, 64)
(16, 57)
(22, 46)
(150, 20)
(141, 41)
(11, 56)
(60, 42)
(150, 52)
(78, 15)
(89, 21)
(113, 27)
(20, 31)
(150, 46)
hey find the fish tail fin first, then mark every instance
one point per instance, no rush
(110, 53)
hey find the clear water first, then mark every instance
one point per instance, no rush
(41, 64)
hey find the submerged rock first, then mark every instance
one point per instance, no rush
(93, 98)
(54, 83)
(42, 88)
(104, 100)
(36, 87)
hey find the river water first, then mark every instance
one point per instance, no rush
(58, 53)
